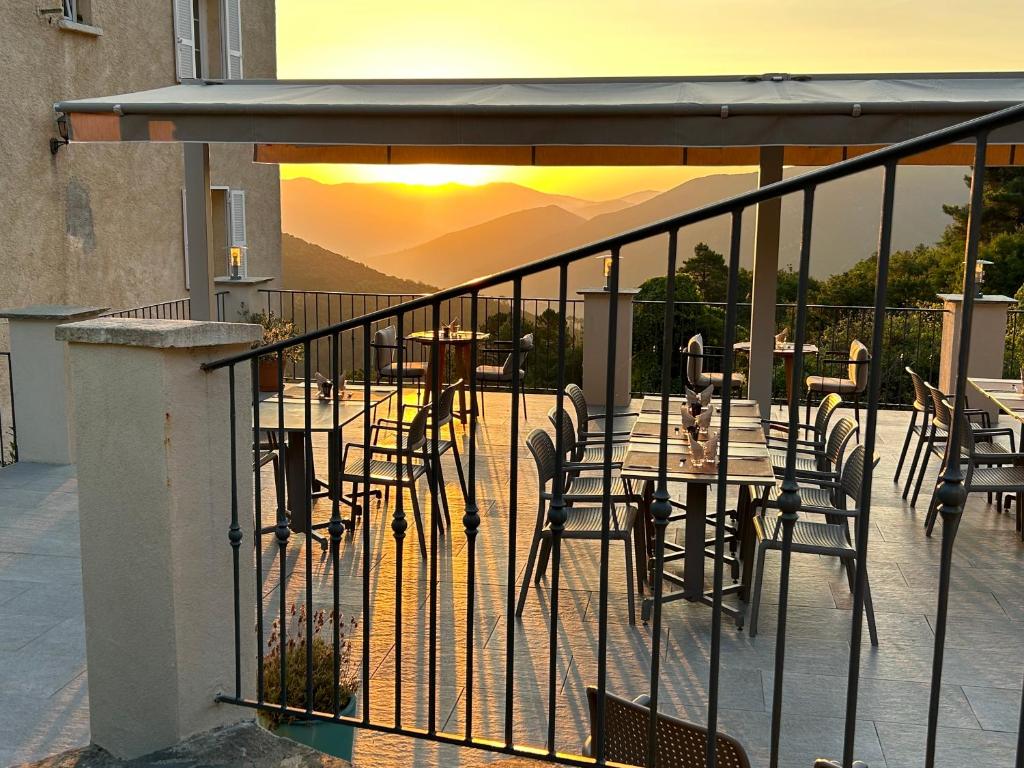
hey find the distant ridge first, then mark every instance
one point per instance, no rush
(308, 267)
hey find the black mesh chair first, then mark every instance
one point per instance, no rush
(591, 441)
(829, 539)
(582, 520)
(680, 744)
(383, 470)
(384, 346)
(496, 375)
(812, 463)
(813, 434)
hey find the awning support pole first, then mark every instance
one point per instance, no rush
(766, 275)
(198, 225)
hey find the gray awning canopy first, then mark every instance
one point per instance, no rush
(620, 121)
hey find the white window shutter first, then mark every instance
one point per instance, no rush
(184, 40)
(237, 216)
(233, 39)
(184, 236)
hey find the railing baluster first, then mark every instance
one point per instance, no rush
(258, 519)
(732, 292)
(863, 523)
(367, 424)
(950, 492)
(606, 507)
(399, 524)
(308, 490)
(556, 513)
(471, 519)
(235, 532)
(282, 531)
(513, 500)
(660, 504)
(336, 527)
(789, 498)
(437, 362)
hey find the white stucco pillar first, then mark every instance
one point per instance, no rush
(596, 309)
(239, 294)
(987, 342)
(766, 278)
(153, 441)
(42, 398)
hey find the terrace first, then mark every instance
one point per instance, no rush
(44, 681)
(170, 600)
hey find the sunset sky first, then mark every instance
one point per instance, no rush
(559, 38)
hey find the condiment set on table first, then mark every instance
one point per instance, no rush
(696, 415)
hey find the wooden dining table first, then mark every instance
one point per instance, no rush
(1006, 394)
(785, 350)
(461, 344)
(298, 450)
(747, 464)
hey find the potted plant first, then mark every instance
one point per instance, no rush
(332, 738)
(275, 329)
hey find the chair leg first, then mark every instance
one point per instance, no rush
(807, 419)
(906, 446)
(911, 473)
(856, 413)
(530, 560)
(869, 610)
(640, 552)
(755, 603)
(413, 493)
(631, 602)
(923, 471)
(458, 467)
(444, 495)
(525, 417)
(933, 510)
(542, 562)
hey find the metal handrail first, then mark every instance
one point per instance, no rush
(866, 162)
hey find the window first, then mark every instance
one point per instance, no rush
(208, 39)
(77, 11)
(75, 16)
(228, 229)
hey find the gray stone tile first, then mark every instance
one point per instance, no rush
(904, 746)
(997, 709)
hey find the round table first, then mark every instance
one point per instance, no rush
(462, 343)
(785, 350)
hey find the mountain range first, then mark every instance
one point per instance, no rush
(447, 235)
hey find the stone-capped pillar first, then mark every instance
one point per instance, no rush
(596, 307)
(154, 494)
(41, 393)
(987, 342)
(240, 294)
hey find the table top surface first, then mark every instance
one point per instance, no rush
(321, 418)
(743, 409)
(1007, 394)
(461, 337)
(747, 461)
(786, 348)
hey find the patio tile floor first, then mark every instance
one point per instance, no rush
(43, 682)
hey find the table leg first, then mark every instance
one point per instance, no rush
(744, 511)
(647, 521)
(295, 481)
(696, 519)
(462, 353)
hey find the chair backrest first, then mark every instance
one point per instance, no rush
(941, 413)
(560, 420)
(446, 403)
(543, 451)
(922, 400)
(838, 438)
(853, 474)
(579, 405)
(416, 432)
(695, 359)
(525, 348)
(858, 369)
(826, 408)
(384, 343)
(680, 744)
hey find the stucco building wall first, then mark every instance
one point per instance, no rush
(101, 224)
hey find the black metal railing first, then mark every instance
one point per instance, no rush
(386, 620)
(309, 311)
(1013, 353)
(8, 420)
(912, 335)
(173, 309)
